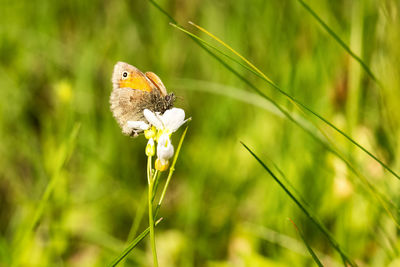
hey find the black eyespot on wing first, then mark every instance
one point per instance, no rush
(124, 74)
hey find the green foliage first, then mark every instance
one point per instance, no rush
(71, 185)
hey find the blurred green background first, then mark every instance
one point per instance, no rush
(58, 138)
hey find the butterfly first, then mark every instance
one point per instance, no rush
(133, 92)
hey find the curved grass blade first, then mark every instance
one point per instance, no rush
(308, 213)
(133, 244)
(334, 150)
(293, 99)
(329, 145)
(312, 253)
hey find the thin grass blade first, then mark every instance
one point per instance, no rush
(310, 250)
(305, 210)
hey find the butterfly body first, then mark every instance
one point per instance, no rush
(133, 92)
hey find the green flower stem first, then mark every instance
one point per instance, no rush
(151, 180)
(149, 170)
(151, 224)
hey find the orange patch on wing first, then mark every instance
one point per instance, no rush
(136, 82)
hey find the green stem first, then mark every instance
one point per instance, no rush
(151, 181)
(149, 171)
(151, 224)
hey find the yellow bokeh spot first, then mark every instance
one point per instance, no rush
(63, 90)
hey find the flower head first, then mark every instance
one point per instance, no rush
(159, 128)
(168, 122)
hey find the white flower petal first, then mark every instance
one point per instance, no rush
(173, 119)
(165, 149)
(152, 118)
(139, 125)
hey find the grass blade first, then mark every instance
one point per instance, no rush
(308, 213)
(329, 145)
(133, 244)
(312, 253)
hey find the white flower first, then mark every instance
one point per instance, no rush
(165, 150)
(160, 127)
(168, 122)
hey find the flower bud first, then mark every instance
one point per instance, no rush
(161, 165)
(150, 148)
